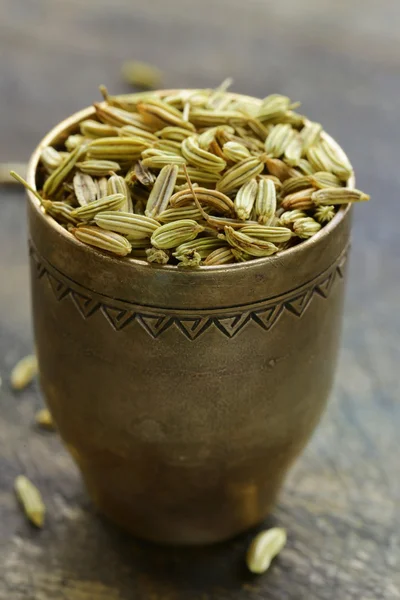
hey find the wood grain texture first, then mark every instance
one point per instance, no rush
(341, 501)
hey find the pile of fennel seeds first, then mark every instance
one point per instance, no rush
(195, 178)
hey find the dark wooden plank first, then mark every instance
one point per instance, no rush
(341, 501)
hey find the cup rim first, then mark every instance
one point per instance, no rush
(70, 122)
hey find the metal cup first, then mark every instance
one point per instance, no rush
(184, 395)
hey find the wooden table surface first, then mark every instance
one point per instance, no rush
(341, 502)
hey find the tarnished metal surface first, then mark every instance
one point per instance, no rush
(185, 395)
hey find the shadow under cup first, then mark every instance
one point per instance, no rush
(184, 395)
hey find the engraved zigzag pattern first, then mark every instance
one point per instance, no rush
(155, 322)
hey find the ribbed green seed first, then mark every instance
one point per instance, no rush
(306, 227)
(265, 204)
(88, 212)
(136, 226)
(173, 234)
(162, 191)
(98, 168)
(59, 175)
(220, 256)
(270, 234)
(245, 198)
(248, 244)
(105, 240)
(240, 174)
(117, 185)
(336, 195)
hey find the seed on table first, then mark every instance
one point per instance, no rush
(24, 372)
(44, 419)
(31, 500)
(263, 549)
(140, 74)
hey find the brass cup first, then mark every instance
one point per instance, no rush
(184, 395)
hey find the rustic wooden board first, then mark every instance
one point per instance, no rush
(341, 501)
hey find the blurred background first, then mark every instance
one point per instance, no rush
(341, 59)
